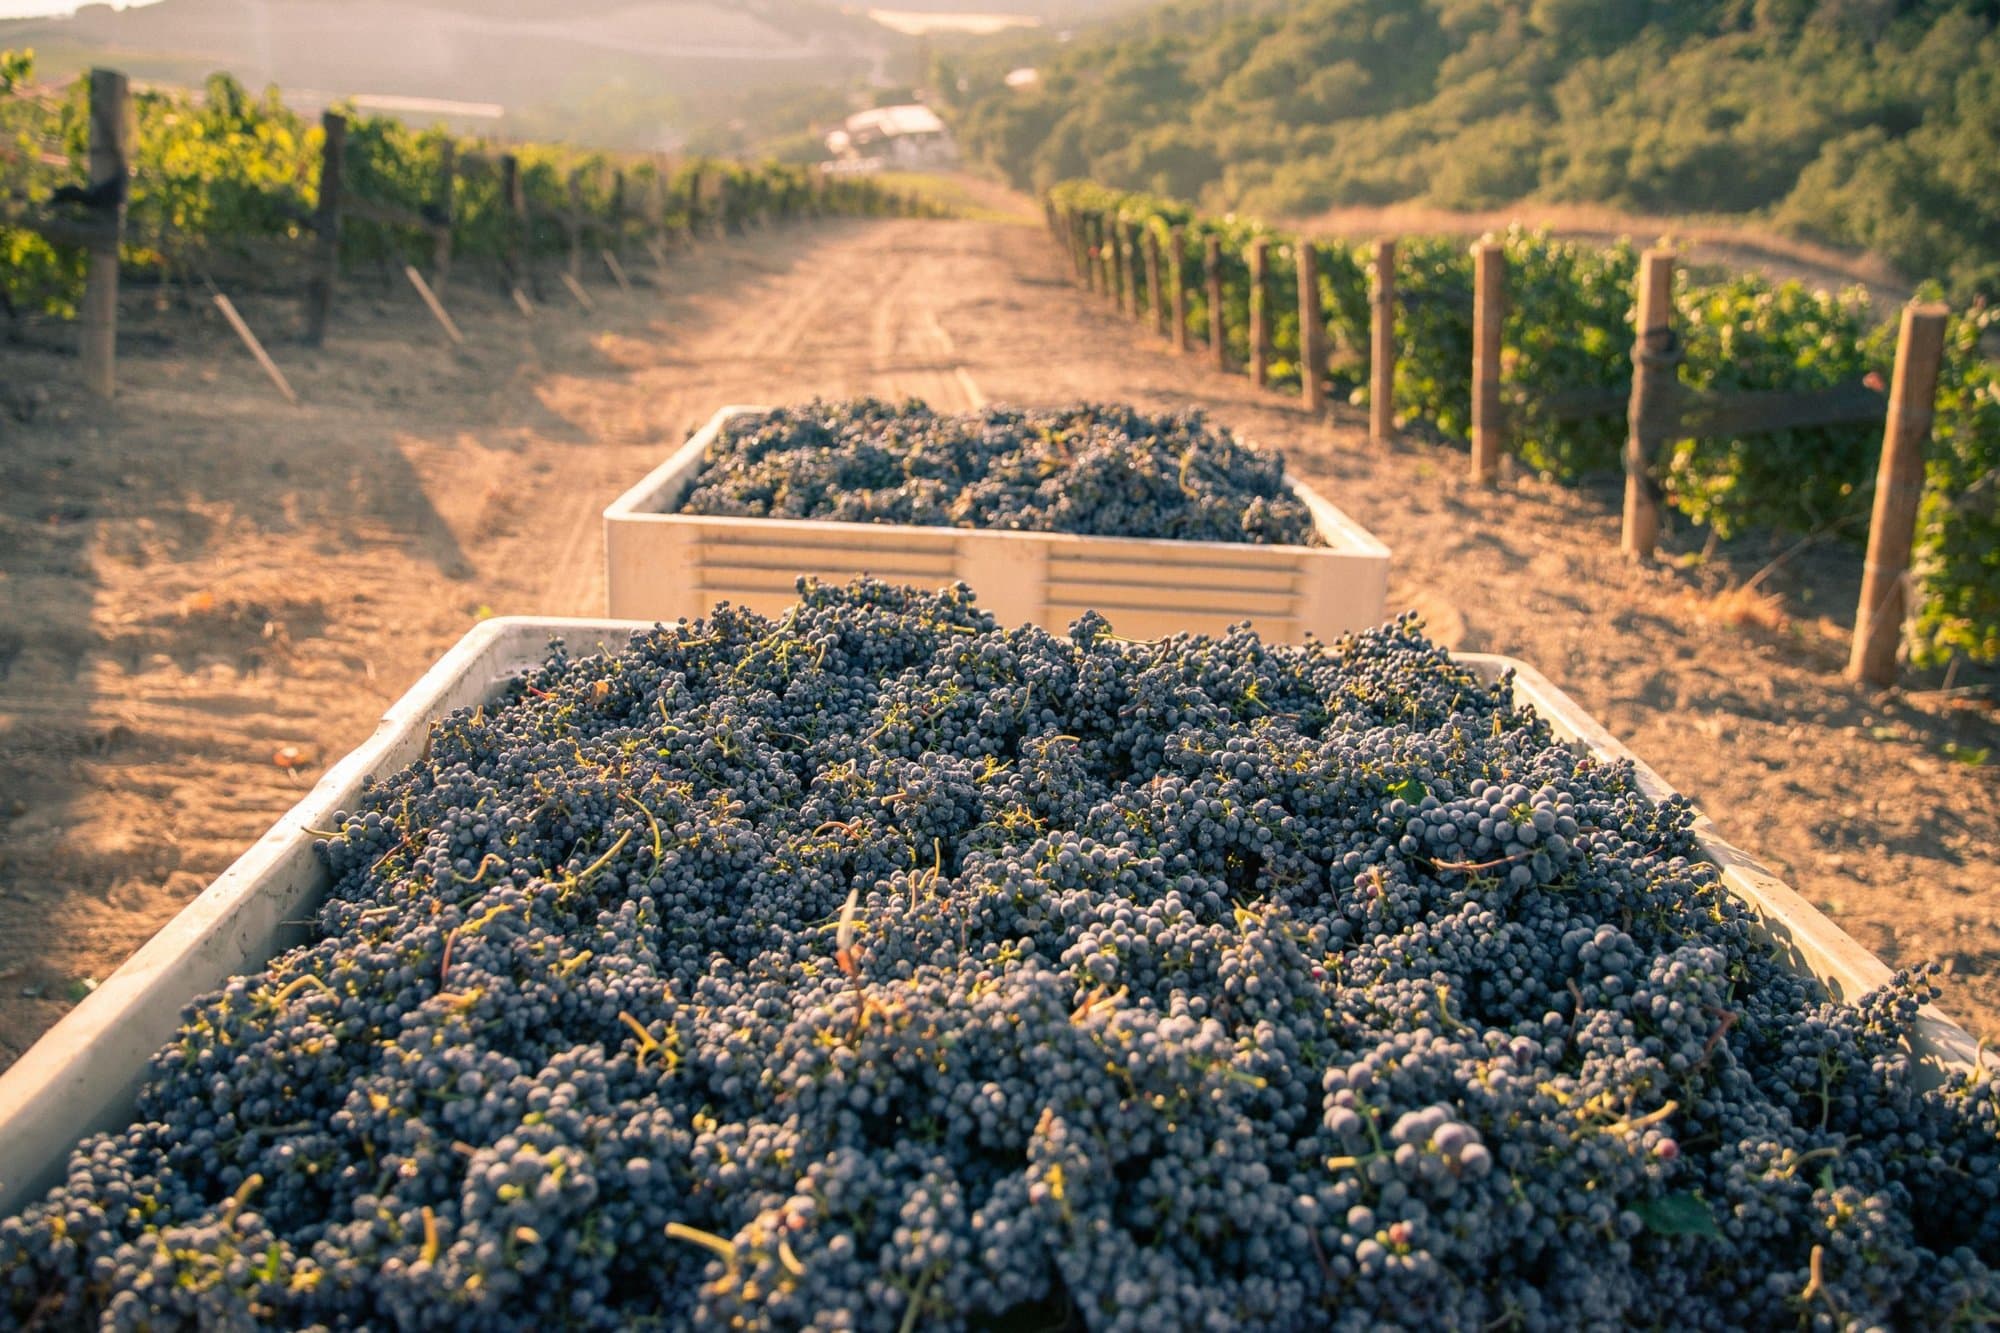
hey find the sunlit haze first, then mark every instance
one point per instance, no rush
(28, 9)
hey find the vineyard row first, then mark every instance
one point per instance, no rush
(1731, 400)
(103, 184)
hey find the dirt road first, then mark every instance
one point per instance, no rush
(198, 578)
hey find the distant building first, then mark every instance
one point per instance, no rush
(1024, 78)
(897, 136)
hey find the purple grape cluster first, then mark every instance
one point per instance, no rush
(875, 968)
(1094, 469)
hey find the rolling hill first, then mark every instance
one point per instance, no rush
(619, 72)
(1865, 123)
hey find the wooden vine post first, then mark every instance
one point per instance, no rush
(1899, 486)
(1489, 294)
(521, 235)
(1114, 288)
(447, 213)
(326, 224)
(1312, 331)
(657, 201)
(1115, 242)
(574, 222)
(1079, 248)
(1128, 237)
(110, 163)
(1260, 313)
(1382, 350)
(1218, 331)
(1177, 280)
(1113, 263)
(1100, 250)
(1154, 307)
(693, 217)
(1653, 414)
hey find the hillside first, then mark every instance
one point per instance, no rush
(1865, 123)
(618, 73)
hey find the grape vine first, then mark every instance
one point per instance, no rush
(1569, 327)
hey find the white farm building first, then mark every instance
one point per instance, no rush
(897, 136)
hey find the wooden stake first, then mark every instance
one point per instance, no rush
(1177, 280)
(1115, 241)
(1153, 305)
(326, 226)
(693, 216)
(1489, 280)
(1312, 331)
(574, 222)
(447, 210)
(658, 252)
(1128, 239)
(576, 290)
(228, 310)
(430, 300)
(1899, 487)
(1260, 313)
(656, 204)
(110, 153)
(1218, 330)
(1382, 350)
(1652, 414)
(617, 270)
(523, 304)
(521, 236)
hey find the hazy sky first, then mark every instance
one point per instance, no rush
(22, 9)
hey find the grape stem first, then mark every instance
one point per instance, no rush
(1470, 866)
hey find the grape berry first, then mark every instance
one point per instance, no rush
(876, 968)
(1098, 470)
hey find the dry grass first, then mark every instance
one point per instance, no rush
(1744, 607)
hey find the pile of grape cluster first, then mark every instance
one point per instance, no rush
(1097, 470)
(873, 968)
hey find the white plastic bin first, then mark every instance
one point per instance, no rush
(83, 1074)
(661, 565)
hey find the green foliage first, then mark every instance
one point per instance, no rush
(33, 274)
(1746, 333)
(1873, 123)
(1568, 330)
(1957, 560)
(225, 173)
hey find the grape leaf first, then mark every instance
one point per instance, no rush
(1409, 789)
(1678, 1215)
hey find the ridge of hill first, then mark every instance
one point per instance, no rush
(1866, 123)
(721, 75)
(618, 73)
